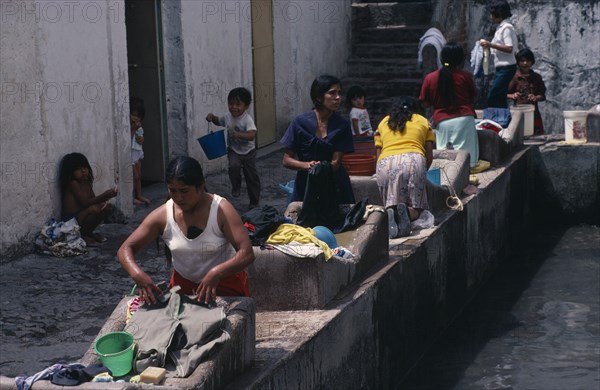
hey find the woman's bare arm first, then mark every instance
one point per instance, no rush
(148, 231)
(291, 162)
(429, 153)
(84, 194)
(231, 225)
(336, 160)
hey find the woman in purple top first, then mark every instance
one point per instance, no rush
(320, 135)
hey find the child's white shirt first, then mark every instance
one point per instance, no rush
(364, 123)
(505, 35)
(242, 123)
(134, 144)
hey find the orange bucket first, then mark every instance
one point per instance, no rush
(359, 164)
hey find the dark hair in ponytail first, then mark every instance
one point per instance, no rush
(452, 57)
(402, 111)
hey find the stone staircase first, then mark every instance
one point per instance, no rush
(385, 40)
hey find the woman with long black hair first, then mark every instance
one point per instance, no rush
(404, 144)
(451, 92)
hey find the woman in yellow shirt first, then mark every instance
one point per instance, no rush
(404, 142)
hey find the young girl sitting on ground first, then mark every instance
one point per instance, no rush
(78, 198)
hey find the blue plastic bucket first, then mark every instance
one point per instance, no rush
(433, 175)
(289, 189)
(213, 144)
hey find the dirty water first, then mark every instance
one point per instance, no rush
(535, 325)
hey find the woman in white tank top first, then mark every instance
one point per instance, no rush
(209, 247)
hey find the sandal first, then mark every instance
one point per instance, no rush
(404, 221)
(392, 225)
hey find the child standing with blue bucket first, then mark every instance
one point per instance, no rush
(241, 149)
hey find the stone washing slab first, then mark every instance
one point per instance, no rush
(226, 363)
(455, 164)
(282, 282)
(496, 149)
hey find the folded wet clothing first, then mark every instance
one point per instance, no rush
(62, 374)
(74, 374)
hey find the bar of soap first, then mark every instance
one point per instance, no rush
(153, 375)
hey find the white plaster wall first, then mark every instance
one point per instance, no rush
(311, 37)
(64, 89)
(565, 39)
(218, 58)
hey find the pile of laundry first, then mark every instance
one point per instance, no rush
(66, 375)
(61, 239)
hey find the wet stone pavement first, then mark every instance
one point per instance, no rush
(51, 309)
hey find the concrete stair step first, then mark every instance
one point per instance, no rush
(375, 84)
(383, 68)
(385, 50)
(391, 13)
(390, 34)
(387, 1)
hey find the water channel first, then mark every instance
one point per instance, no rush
(535, 325)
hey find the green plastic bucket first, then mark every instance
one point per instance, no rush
(115, 351)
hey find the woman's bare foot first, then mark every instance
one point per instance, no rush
(141, 200)
(90, 241)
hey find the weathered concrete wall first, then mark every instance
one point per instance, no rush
(563, 36)
(573, 188)
(218, 57)
(56, 102)
(310, 38)
(175, 87)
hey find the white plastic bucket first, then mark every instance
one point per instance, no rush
(527, 110)
(575, 126)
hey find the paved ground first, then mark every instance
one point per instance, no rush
(51, 308)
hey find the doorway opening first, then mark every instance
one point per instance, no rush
(146, 81)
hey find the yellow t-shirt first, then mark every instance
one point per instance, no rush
(411, 140)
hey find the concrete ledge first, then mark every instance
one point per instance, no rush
(283, 282)
(227, 362)
(394, 315)
(455, 164)
(496, 149)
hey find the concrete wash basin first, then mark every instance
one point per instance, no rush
(282, 282)
(496, 149)
(454, 165)
(228, 361)
(454, 172)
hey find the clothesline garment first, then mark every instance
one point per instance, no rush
(434, 37)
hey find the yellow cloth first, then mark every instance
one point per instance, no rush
(411, 140)
(287, 232)
(481, 166)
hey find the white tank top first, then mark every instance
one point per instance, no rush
(193, 258)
